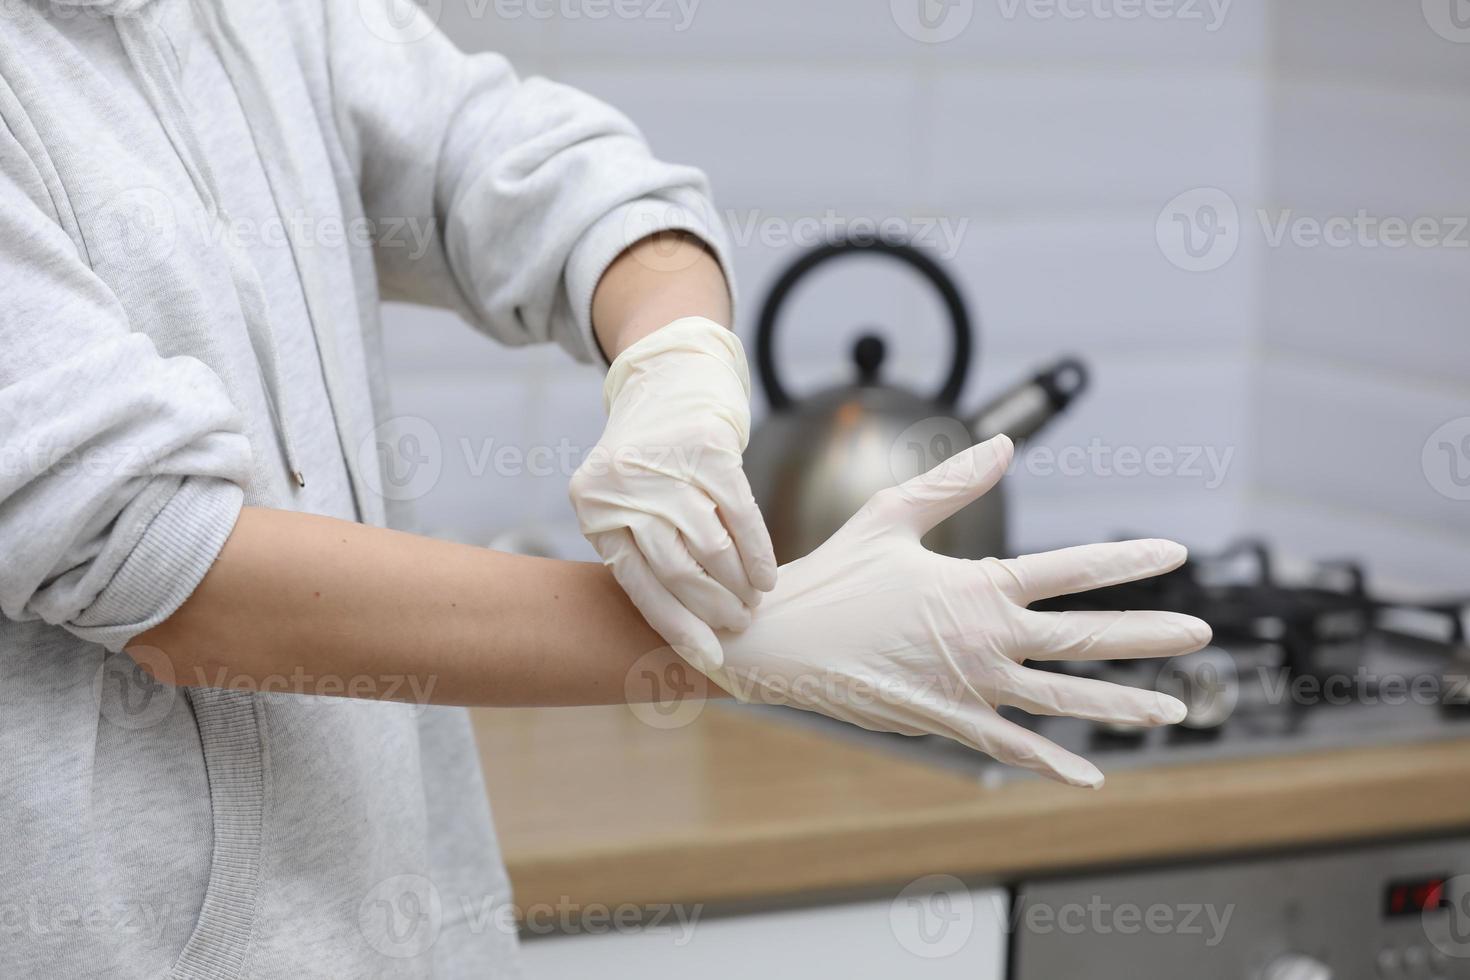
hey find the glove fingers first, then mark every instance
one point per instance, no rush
(747, 528)
(680, 628)
(724, 567)
(1041, 692)
(715, 550)
(1005, 741)
(1091, 566)
(667, 554)
(1089, 635)
(948, 488)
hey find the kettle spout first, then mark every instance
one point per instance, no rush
(1029, 406)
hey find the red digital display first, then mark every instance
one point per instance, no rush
(1415, 897)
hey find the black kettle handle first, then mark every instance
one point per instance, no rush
(943, 283)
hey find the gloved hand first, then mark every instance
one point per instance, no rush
(663, 497)
(875, 630)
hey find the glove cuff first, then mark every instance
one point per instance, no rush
(689, 335)
(722, 678)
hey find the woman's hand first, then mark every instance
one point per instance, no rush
(663, 497)
(875, 630)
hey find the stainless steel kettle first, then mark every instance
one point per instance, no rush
(813, 463)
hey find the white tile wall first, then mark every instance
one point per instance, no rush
(1351, 437)
(1364, 349)
(474, 415)
(832, 31)
(1077, 140)
(1358, 143)
(482, 25)
(1358, 38)
(1205, 521)
(1187, 34)
(1100, 283)
(1401, 311)
(774, 136)
(1407, 559)
(1216, 33)
(1144, 402)
(1049, 143)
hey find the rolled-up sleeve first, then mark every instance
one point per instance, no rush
(120, 469)
(526, 190)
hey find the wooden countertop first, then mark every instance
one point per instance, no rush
(593, 805)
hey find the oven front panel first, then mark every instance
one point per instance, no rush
(1384, 913)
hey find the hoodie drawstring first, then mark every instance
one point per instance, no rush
(285, 174)
(145, 54)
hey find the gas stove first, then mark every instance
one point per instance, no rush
(1300, 661)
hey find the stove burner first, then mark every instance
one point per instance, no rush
(1284, 650)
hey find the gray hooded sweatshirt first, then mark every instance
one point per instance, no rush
(201, 204)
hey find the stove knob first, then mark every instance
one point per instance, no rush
(1298, 968)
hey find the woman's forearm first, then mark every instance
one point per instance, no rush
(653, 283)
(297, 601)
(305, 603)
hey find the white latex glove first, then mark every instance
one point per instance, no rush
(875, 630)
(663, 497)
